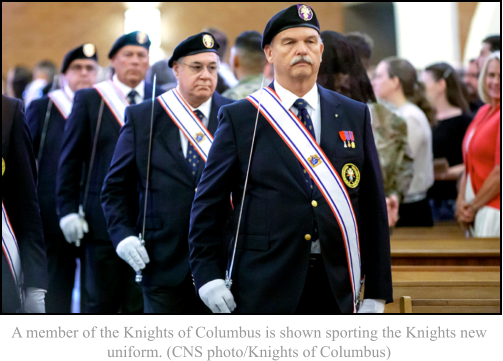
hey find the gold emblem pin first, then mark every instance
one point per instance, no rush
(305, 12)
(89, 50)
(199, 137)
(208, 41)
(351, 175)
(141, 37)
(3, 167)
(314, 160)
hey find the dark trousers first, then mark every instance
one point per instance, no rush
(416, 214)
(317, 297)
(177, 300)
(109, 281)
(61, 264)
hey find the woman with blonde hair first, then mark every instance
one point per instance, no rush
(478, 206)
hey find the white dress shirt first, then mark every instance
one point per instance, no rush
(140, 89)
(204, 108)
(314, 110)
(419, 137)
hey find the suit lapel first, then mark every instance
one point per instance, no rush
(330, 122)
(216, 103)
(147, 91)
(171, 136)
(330, 126)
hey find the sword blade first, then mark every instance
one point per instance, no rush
(139, 276)
(228, 276)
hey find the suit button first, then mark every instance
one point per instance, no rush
(314, 204)
(307, 237)
(196, 190)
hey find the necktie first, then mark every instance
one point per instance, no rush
(304, 117)
(131, 97)
(193, 156)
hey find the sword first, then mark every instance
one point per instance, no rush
(82, 207)
(139, 276)
(228, 273)
(46, 122)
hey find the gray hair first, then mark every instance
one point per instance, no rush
(482, 78)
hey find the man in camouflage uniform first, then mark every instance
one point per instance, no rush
(390, 135)
(247, 62)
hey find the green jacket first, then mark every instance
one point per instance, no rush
(246, 86)
(390, 135)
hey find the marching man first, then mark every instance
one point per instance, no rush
(184, 121)
(89, 139)
(46, 119)
(306, 235)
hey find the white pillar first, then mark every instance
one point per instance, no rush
(427, 33)
(145, 18)
(486, 21)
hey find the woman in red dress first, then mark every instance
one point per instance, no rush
(478, 206)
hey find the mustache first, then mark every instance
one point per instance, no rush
(300, 58)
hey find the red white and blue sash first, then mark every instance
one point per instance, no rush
(114, 98)
(316, 163)
(187, 121)
(10, 249)
(62, 101)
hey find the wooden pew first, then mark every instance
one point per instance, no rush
(445, 251)
(449, 230)
(444, 282)
(409, 305)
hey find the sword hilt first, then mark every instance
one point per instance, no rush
(228, 281)
(139, 276)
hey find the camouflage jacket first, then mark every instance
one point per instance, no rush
(246, 86)
(390, 135)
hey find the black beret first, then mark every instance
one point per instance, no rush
(195, 44)
(295, 16)
(85, 51)
(138, 38)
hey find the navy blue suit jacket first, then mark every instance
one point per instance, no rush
(48, 167)
(19, 196)
(171, 190)
(76, 151)
(272, 256)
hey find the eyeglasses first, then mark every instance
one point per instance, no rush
(198, 68)
(79, 68)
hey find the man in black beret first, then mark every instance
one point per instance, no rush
(89, 139)
(46, 119)
(314, 220)
(185, 120)
(24, 266)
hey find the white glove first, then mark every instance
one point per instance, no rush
(372, 306)
(73, 227)
(133, 252)
(34, 302)
(217, 297)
